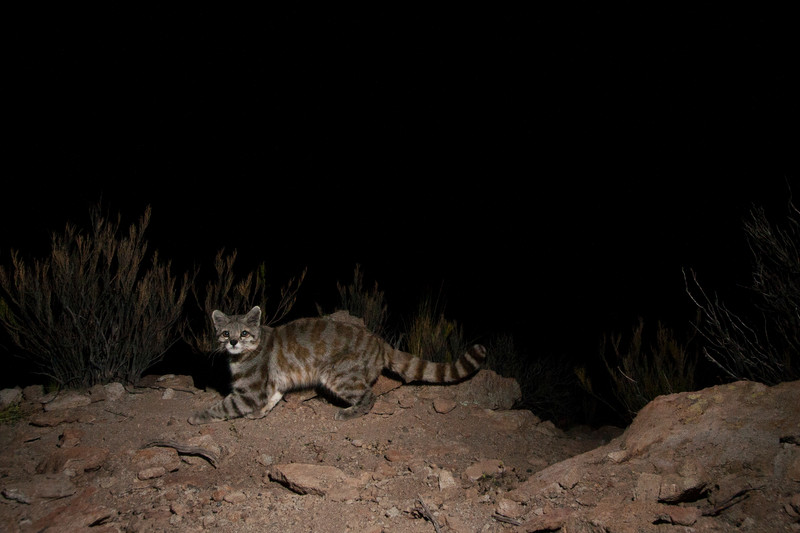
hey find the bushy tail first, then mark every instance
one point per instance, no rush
(412, 368)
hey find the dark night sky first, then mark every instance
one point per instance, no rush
(549, 168)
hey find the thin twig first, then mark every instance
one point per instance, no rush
(503, 518)
(185, 449)
(730, 502)
(426, 513)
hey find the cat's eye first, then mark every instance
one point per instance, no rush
(225, 334)
(245, 333)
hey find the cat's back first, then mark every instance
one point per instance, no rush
(323, 331)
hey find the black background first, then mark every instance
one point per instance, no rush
(549, 170)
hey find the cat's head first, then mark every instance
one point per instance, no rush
(238, 334)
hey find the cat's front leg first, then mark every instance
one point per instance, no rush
(234, 405)
(273, 396)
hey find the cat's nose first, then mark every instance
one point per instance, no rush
(233, 342)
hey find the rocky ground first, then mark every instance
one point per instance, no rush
(426, 459)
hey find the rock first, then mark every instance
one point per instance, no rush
(73, 460)
(443, 405)
(16, 495)
(235, 496)
(54, 487)
(488, 390)
(571, 477)
(9, 397)
(33, 393)
(551, 521)
(793, 470)
(151, 472)
(680, 516)
(54, 418)
(477, 470)
(77, 515)
(647, 487)
(676, 489)
(510, 508)
(716, 447)
(67, 400)
(97, 393)
(395, 455)
(69, 438)
(319, 480)
(383, 407)
(385, 384)
(163, 457)
(446, 480)
(114, 391)
(176, 382)
(345, 317)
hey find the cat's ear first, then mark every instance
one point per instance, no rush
(218, 317)
(253, 316)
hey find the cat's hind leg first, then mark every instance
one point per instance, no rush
(361, 405)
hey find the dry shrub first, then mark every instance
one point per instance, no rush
(92, 312)
(763, 342)
(546, 381)
(639, 373)
(359, 302)
(434, 337)
(233, 295)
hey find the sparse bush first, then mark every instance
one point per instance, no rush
(433, 337)
(367, 305)
(764, 344)
(547, 381)
(641, 370)
(231, 297)
(90, 312)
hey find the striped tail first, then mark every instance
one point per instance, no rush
(412, 368)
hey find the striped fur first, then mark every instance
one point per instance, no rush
(342, 357)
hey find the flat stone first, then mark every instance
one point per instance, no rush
(443, 405)
(68, 400)
(9, 397)
(477, 470)
(647, 487)
(308, 478)
(78, 459)
(164, 457)
(151, 472)
(70, 438)
(446, 480)
(114, 391)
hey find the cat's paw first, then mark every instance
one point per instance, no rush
(199, 418)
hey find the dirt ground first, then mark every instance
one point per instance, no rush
(426, 459)
(89, 466)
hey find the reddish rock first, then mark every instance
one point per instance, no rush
(77, 460)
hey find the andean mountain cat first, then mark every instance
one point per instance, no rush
(344, 358)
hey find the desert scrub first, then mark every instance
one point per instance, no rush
(98, 309)
(369, 305)
(434, 337)
(10, 414)
(762, 342)
(642, 367)
(546, 381)
(235, 295)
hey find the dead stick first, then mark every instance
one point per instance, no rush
(508, 520)
(730, 502)
(426, 513)
(184, 449)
